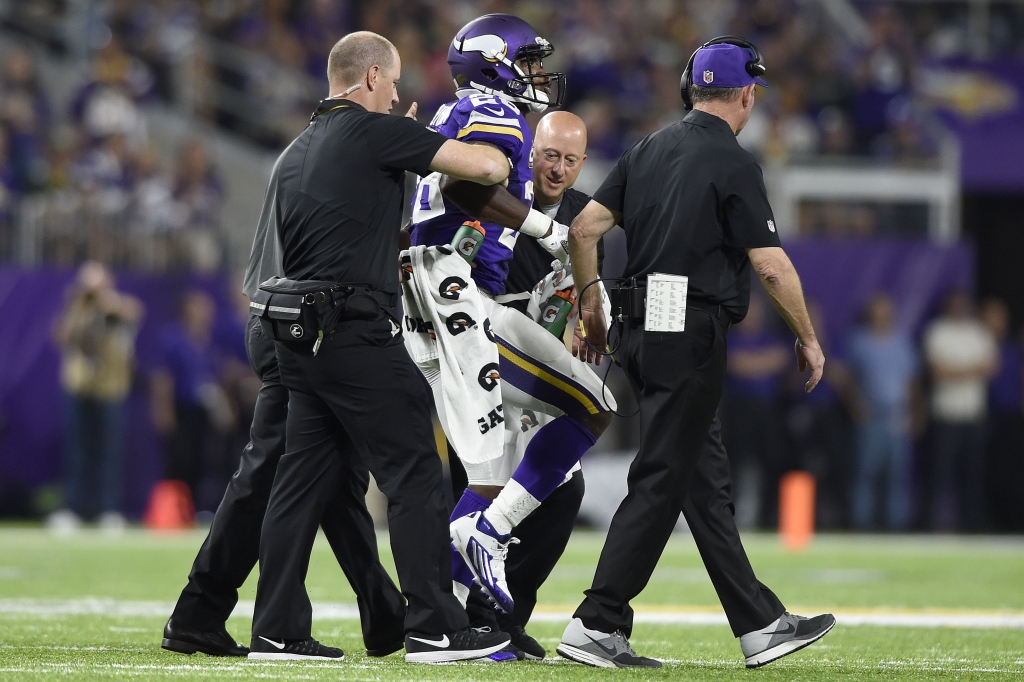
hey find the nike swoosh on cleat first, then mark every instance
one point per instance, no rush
(440, 644)
(790, 629)
(608, 650)
(279, 645)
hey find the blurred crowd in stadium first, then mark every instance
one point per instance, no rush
(905, 433)
(835, 91)
(110, 196)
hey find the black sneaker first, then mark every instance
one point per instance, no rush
(462, 645)
(270, 649)
(386, 649)
(521, 640)
(185, 640)
(790, 633)
(600, 649)
(509, 653)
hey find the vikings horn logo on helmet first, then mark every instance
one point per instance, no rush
(500, 54)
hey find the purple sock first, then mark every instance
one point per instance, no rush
(469, 502)
(551, 454)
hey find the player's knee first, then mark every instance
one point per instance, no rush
(596, 423)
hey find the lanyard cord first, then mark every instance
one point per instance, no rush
(610, 352)
(318, 113)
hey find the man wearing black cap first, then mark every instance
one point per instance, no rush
(687, 281)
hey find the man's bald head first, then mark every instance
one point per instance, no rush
(564, 126)
(354, 55)
(559, 150)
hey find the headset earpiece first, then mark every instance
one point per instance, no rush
(755, 67)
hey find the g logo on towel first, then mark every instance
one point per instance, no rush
(458, 323)
(528, 420)
(296, 331)
(489, 376)
(487, 330)
(451, 288)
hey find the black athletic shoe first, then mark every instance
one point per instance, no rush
(600, 649)
(462, 645)
(270, 649)
(521, 640)
(186, 640)
(791, 633)
(386, 649)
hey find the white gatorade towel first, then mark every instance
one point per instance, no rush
(447, 330)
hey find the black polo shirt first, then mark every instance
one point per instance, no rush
(692, 201)
(339, 193)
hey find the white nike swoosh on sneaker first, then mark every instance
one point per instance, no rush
(440, 643)
(279, 645)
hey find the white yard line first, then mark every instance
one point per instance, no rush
(888, 617)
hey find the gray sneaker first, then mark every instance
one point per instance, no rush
(790, 633)
(600, 649)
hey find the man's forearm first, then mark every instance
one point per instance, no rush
(490, 204)
(592, 222)
(583, 256)
(782, 282)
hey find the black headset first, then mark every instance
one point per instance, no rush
(755, 67)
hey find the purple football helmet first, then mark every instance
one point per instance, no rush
(483, 57)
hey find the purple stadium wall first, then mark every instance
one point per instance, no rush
(838, 275)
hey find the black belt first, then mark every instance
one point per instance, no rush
(714, 309)
(304, 310)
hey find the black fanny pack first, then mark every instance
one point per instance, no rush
(297, 311)
(628, 299)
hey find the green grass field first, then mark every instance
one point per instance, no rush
(91, 607)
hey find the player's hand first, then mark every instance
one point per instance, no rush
(595, 331)
(556, 242)
(810, 355)
(412, 111)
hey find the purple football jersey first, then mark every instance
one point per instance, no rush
(477, 117)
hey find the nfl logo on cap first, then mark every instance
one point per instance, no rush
(709, 76)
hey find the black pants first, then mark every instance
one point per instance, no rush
(1004, 485)
(755, 434)
(682, 466)
(958, 476)
(232, 546)
(543, 536)
(360, 397)
(188, 446)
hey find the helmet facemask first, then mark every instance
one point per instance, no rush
(506, 78)
(538, 90)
